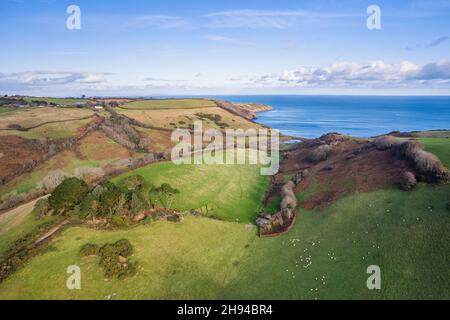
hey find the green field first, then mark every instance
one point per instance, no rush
(231, 192)
(17, 223)
(62, 101)
(324, 256)
(193, 259)
(393, 229)
(4, 110)
(169, 104)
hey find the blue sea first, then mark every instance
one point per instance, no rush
(359, 116)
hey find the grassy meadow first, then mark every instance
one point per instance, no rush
(193, 259)
(33, 117)
(163, 104)
(60, 101)
(231, 192)
(324, 256)
(174, 118)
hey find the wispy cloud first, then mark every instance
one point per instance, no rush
(33, 79)
(228, 40)
(257, 19)
(156, 21)
(432, 44)
(151, 79)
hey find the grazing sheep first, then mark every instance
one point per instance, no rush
(408, 181)
(319, 154)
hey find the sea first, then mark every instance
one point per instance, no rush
(358, 116)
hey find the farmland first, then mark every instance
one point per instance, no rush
(345, 222)
(171, 119)
(168, 104)
(33, 117)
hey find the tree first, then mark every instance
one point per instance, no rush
(137, 203)
(135, 183)
(166, 194)
(109, 199)
(68, 194)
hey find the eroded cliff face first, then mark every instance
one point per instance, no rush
(246, 110)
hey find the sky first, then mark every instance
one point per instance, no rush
(168, 48)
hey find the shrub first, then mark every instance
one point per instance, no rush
(113, 259)
(89, 206)
(318, 154)
(428, 165)
(165, 193)
(41, 208)
(68, 194)
(89, 249)
(288, 197)
(53, 179)
(408, 181)
(109, 199)
(135, 182)
(385, 142)
(89, 174)
(137, 203)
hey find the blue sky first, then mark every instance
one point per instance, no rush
(136, 48)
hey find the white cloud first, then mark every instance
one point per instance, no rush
(350, 73)
(32, 79)
(255, 19)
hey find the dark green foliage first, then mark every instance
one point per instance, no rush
(216, 118)
(68, 194)
(89, 206)
(113, 259)
(89, 249)
(165, 193)
(110, 199)
(23, 249)
(41, 208)
(135, 183)
(137, 203)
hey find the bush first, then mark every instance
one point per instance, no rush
(135, 182)
(289, 201)
(89, 174)
(53, 179)
(110, 199)
(428, 165)
(408, 181)
(137, 203)
(68, 194)
(318, 154)
(89, 249)
(41, 208)
(89, 206)
(113, 259)
(385, 142)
